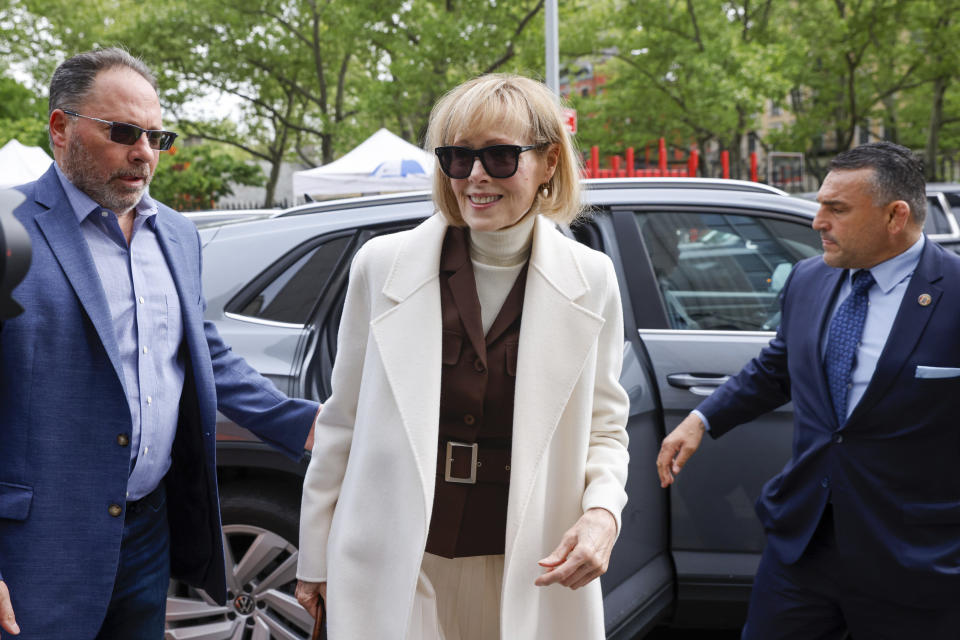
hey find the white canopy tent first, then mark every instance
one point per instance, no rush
(382, 162)
(20, 163)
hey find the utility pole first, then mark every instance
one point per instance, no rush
(553, 49)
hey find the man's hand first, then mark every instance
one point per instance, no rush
(308, 445)
(583, 553)
(678, 447)
(309, 594)
(7, 620)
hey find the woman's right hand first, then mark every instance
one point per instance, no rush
(309, 594)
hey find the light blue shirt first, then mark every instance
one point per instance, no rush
(883, 299)
(145, 310)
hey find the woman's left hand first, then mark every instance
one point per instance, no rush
(583, 553)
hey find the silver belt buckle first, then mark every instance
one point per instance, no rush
(473, 463)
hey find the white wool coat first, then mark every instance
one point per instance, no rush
(368, 492)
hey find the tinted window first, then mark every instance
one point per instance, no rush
(291, 294)
(723, 272)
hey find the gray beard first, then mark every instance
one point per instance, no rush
(81, 168)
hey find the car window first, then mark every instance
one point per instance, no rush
(290, 295)
(717, 271)
(936, 220)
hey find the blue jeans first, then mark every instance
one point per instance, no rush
(138, 604)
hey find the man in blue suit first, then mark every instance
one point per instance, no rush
(863, 523)
(110, 380)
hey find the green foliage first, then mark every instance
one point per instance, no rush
(196, 176)
(689, 71)
(312, 79)
(22, 115)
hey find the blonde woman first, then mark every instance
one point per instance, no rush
(468, 471)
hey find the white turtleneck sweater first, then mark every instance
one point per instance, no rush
(498, 257)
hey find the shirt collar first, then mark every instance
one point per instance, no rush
(890, 273)
(83, 205)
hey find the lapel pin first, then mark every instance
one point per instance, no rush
(924, 299)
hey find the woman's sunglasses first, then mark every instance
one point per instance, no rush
(123, 133)
(498, 160)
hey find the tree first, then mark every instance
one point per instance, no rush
(22, 115)
(686, 70)
(849, 59)
(196, 176)
(315, 78)
(934, 108)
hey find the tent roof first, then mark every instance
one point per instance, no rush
(382, 162)
(20, 164)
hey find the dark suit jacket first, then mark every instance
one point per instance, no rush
(893, 470)
(62, 406)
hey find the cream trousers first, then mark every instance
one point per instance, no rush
(457, 599)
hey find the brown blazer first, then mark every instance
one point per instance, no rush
(476, 410)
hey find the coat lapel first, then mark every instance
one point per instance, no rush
(181, 270)
(556, 338)
(61, 229)
(183, 264)
(825, 297)
(408, 336)
(909, 325)
(463, 287)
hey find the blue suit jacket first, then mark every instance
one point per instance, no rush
(62, 406)
(893, 470)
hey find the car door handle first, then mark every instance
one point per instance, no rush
(698, 384)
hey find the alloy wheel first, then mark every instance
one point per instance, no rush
(261, 578)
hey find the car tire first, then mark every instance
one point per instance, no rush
(260, 530)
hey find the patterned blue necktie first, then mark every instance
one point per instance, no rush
(843, 338)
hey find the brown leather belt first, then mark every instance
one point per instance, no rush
(468, 463)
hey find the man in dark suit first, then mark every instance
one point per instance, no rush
(110, 380)
(863, 523)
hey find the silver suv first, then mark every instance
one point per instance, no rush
(700, 264)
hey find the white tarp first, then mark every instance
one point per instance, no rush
(20, 163)
(383, 162)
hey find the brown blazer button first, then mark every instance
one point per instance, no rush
(469, 419)
(123, 439)
(479, 366)
(115, 510)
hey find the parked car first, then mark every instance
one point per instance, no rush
(942, 223)
(943, 207)
(700, 263)
(216, 217)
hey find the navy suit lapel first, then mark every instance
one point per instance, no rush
(60, 227)
(909, 325)
(825, 298)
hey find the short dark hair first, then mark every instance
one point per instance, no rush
(73, 79)
(897, 174)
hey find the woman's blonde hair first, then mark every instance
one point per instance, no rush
(515, 104)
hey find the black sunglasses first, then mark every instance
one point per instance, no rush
(123, 133)
(498, 160)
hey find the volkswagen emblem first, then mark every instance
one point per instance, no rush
(244, 604)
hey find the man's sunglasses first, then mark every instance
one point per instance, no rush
(123, 133)
(498, 160)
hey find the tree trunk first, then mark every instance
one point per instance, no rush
(890, 129)
(936, 122)
(271, 187)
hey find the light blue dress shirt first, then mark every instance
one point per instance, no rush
(892, 277)
(147, 322)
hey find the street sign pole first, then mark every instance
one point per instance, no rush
(552, 46)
